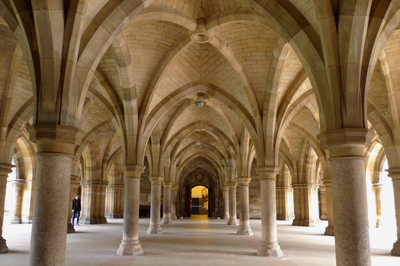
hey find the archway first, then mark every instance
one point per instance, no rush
(198, 178)
(388, 214)
(199, 200)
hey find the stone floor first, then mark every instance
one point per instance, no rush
(196, 241)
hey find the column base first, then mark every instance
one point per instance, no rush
(154, 230)
(396, 249)
(129, 248)
(3, 246)
(270, 250)
(323, 217)
(329, 231)
(166, 220)
(87, 220)
(70, 228)
(245, 231)
(379, 224)
(103, 220)
(232, 221)
(16, 220)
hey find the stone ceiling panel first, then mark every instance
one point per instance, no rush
(22, 90)
(149, 44)
(378, 95)
(252, 45)
(108, 66)
(200, 62)
(291, 70)
(305, 119)
(203, 8)
(193, 114)
(305, 86)
(93, 117)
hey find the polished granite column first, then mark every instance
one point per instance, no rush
(167, 204)
(225, 193)
(349, 193)
(55, 150)
(394, 173)
(5, 169)
(244, 226)
(155, 208)
(269, 237)
(232, 204)
(130, 239)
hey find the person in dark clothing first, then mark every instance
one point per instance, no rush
(76, 209)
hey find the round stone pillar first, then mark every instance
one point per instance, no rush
(174, 197)
(232, 204)
(155, 220)
(225, 194)
(378, 190)
(167, 204)
(5, 169)
(130, 240)
(55, 150)
(269, 233)
(330, 229)
(394, 173)
(349, 194)
(16, 208)
(244, 226)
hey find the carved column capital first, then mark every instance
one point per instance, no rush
(156, 180)
(132, 170)
(267, 172)
(53, 139)
(346, 142)
(243, 181)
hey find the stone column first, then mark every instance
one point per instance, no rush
(167, 204)
(378, 203)
(88, 202)
(244, 227)
(102, 202)
(5, 169)
(16, 208)
(174, 198)
(93, 202)
(285, 197)
(306, 204)
(155, 220)
(269, 236)
(232, 204)
(130, 240)
(330, 229)
(322, 204)
(394, 173)
(113, 202)
(225, 194)
(349, 193)
(74, 187)
(110, 201)
(280, 203)
(55, 150)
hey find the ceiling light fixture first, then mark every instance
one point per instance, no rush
(200, 102)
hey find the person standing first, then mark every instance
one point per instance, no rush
(76, 209)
